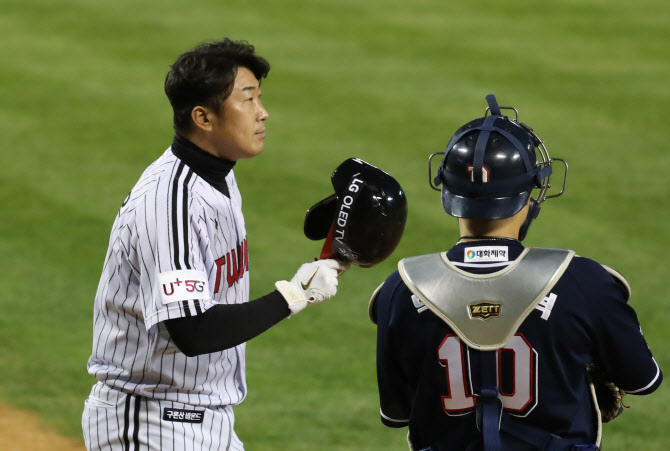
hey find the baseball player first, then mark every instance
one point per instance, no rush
(172, 311)
(486, 346)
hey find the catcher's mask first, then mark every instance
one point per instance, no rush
(365, 218)
(491, 166)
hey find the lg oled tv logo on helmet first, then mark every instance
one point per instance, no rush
(348, 200)
(485, 173)
(484, 310)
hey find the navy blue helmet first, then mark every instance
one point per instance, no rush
(491, 166)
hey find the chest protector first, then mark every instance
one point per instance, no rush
(485, 310)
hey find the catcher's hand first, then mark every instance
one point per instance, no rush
(609, 396)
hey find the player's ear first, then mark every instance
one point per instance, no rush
(202, 118)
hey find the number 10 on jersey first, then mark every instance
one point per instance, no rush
(517, 376)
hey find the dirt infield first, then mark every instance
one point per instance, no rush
(22, 431)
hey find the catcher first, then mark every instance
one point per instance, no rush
(493, 345)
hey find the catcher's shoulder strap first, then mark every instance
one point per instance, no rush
(371, 305)
(503, 299)
(620, 279)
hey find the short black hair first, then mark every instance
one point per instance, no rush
(205, 76)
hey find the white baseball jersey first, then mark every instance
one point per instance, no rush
(178, 247)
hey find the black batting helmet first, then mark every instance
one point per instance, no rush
(365, 218)
(491, 166)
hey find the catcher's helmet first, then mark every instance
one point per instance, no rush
(490, 167)
(365, 218)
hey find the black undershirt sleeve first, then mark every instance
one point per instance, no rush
(225, 326)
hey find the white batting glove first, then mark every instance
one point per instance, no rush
(313, 283)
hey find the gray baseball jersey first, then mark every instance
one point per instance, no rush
(177, 247)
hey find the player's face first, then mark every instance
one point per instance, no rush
(239, 128)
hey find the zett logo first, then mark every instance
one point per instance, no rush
(484, 310)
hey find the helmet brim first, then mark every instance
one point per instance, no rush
(484, 208)
(319, 218)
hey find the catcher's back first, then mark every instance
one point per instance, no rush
(584, 317)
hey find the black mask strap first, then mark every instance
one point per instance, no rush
(533, 211)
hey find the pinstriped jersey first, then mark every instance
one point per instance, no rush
(177, 247)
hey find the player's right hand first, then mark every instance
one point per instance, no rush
(313, 283)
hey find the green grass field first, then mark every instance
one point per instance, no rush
(82, 113)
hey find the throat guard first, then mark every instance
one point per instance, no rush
(485, 310)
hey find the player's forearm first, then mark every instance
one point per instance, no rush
(225, 326)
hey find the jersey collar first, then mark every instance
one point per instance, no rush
(211, 169)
